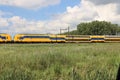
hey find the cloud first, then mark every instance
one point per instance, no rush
(108, 11)
(71, 17)
(3, 22)
(1, 13)
(103, 2)
(84, 12)
(17, 24)
(106, 2)
(29, 4)
(21, 25)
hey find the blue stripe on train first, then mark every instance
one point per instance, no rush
(97, 39)
(34, 37)
(56, 38)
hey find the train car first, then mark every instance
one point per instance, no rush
(112, 38)
(5, 37)
(77, 38)
(97, 38)
(58, 38)
(38, 38)
(31, 38)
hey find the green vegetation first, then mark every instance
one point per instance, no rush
(96, 28)
(86, 61)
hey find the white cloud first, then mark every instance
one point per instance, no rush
(88, 11)
(107, 12)
(1, 13)
(103, 2)
(85, 11)
(30, 4)
(3, 22)
(21, 25)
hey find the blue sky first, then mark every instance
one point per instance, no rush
(39, 14)
(48, 16)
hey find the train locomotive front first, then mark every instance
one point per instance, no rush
(41, 38)
(5, 38)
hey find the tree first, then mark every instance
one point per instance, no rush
(98, 28)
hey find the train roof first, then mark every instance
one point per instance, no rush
(3, 33)
(37, 34)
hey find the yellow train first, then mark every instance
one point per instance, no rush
(5, 37)
(77, 38)
(97, 38)
(39, 38)
(52, 38)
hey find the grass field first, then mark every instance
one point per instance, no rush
(86, 61)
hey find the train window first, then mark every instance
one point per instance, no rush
(2, 37)
(35, 37)
(21, 38)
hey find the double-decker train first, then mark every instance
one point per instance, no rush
(53, 38)
(39, 38)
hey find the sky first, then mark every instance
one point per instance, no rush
(49, 16)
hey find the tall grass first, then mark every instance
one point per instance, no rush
(88, 61)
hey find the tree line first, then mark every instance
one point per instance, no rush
(96, 28)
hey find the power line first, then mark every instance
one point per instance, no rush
(67, 29)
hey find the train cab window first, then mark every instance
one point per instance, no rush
(21, 38)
